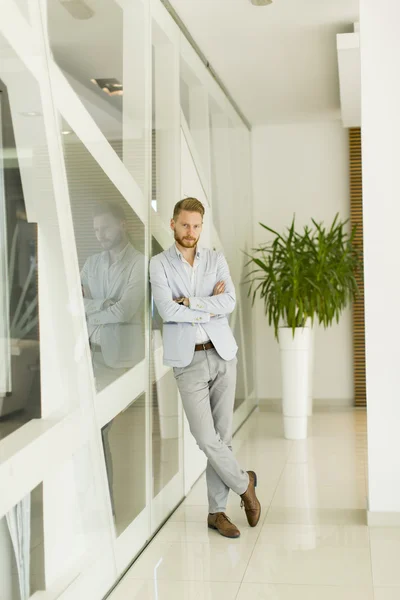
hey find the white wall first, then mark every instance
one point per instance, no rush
(302, 169)
(380, 60)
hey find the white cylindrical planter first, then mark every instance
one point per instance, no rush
(294, 352)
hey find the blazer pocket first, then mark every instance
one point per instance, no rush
(172, 335)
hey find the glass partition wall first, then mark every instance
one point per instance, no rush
(99, 138)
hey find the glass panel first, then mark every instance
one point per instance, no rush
(108, 74)
(22, 548)
(110, 244)
(220, 173)
(247, 315)
(195, 106)
(124, 443)
(240, 395)
(53, 533)
(165, 126)
(157, 323)
(22, 146)
(185, 102)
(94, 70)
(166, 119)
(24, 9)
(166, 433)
(76, 527)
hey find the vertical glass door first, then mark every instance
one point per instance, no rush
(166, 408)
(102, 92)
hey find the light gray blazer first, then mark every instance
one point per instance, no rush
(169, 280)
(121, 325)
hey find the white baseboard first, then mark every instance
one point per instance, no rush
(275, 404)
(383, 519)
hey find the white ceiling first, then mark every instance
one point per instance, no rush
(279, 62)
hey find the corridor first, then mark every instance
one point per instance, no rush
(312, 542)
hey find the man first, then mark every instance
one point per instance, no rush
(113, 287)
(194, 293)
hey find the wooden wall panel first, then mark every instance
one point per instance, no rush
(360, 391)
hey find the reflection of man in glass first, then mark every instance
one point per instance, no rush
(113, 289)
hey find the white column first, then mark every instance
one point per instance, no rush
(380, 84)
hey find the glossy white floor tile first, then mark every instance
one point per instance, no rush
(259, 591)
(196, 532)
(387, 593)
(131, 589)
(308, 555)
(385, 551)
(193, 561)
(312, 542)
(315, 516)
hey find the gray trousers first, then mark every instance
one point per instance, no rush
(207, 388)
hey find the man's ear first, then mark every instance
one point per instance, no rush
(172, 224)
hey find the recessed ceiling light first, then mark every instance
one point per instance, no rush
(66, 132)
(111, 86)
(261, 2)
(31, 114)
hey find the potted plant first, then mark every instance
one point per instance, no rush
(301, 277)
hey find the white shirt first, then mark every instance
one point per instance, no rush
(201, 335)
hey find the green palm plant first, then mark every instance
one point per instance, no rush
(305, 275)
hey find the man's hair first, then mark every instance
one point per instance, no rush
(109, 208)
(189, 204)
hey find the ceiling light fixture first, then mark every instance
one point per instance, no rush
(261, 2)
(66, 132)
(111, 86)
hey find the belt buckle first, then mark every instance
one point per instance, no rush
(204, 347)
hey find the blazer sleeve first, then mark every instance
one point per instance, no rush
(170, 311)
(91, 305)
(130, 302)
(222, 304)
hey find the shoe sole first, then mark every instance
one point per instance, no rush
(231, 537)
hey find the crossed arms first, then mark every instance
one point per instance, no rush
(195, 309)
(108, 310)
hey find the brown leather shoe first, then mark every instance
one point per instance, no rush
(223, 525)
(250, 501)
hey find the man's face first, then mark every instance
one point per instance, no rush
(187, 228)
(109, 231)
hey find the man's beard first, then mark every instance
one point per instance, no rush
(111, 244)
(185, 243)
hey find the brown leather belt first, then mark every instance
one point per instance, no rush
(207, 346)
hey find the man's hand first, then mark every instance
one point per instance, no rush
(107, 303)
(184, 300)
(219, 288)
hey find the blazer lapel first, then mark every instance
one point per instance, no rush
(179, 269)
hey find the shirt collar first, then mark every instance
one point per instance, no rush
(121, 254)
(180, 255)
